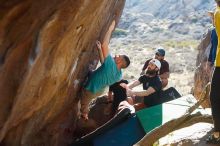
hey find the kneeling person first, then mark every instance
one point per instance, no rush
(151, 86)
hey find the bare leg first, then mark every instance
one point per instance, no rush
(85, 99)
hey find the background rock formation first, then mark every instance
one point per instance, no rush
(203, 73)
(45, 50)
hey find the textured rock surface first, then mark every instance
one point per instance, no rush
(202, 73)
(45, 50)
(100, 113)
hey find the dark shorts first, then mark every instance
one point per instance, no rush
(117, 101)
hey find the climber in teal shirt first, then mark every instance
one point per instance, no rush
(107, 74)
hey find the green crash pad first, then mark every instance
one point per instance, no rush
(150, 117)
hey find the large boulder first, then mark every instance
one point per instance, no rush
(46, 47)
(100, 113)
(203, 73)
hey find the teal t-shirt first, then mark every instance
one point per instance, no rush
(104, 76)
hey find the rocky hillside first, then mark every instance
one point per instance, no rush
(166, 19)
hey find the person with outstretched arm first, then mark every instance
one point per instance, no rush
(107, 74)
(152, 86)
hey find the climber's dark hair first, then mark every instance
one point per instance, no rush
(127, 61)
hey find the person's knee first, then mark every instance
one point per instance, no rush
(139, 106)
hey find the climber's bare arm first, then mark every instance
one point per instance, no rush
(99, 46)
(105, 48)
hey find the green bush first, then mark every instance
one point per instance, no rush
(181, 44)
(119, 32)
(194, 20)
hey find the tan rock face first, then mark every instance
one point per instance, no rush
(46, 47)
(203, 72)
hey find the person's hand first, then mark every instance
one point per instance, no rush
(85, 116)
(142, 73)
(124, 85)
(99, 45)
(124, 104)
(112, 26)
(129, 92)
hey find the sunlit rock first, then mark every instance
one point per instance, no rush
(203, 72)
(46, 47)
